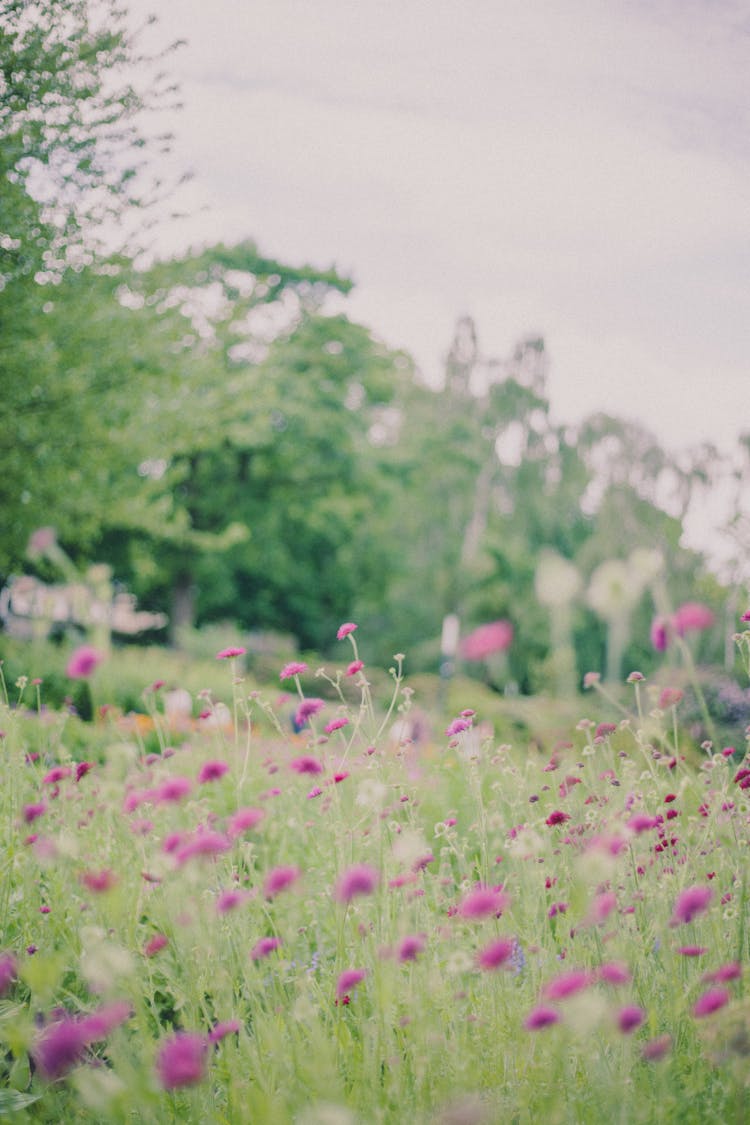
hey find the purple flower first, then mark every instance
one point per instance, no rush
(348, 980)
(31, 812)
(691, 902)
(294, 668)
(360, 879)
(279, 878)
(710, 1002)
(410, 947)
(540, 1017)
(212, 771)
(83, 661)
(243, 820)
(495, 954)
(629, 1018)
(263, 947)
(182, 1060)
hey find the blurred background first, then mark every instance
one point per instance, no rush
(428, 317)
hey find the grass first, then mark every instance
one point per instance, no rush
(582, 849)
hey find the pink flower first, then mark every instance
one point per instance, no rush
(483, 902)
(306, 764)
(101, 1023)
(710, 1002)
(348, 980)
(354, 667)
(82, 768)
(244, 820)
(279, 878)
(228, 900)
(345, 629)
(306, 710)
(642, 822)
(263, 947)
(731, 971)
(458, 726)
(99, 881)
(613, 972)
(155, 944)
(212, 771)
(692, 950)
(173, 789)
(557, 817)
(335, 724)
(691, 902)
(83, 661)
(7, 971)
(59, 1047)
(230, 653)
(31, 812)
(360, 879)
(540, 1017)
(220, 1030)
(41, 541)
(692, 617)
(294, 668)
(669, 697)
(567, 984)
(629, 1018)
(660, 634)
(203, 843)
(495, 954)
(57, 773)
(410, 947)
(182, 1060)
(602, 907)
(657, 1048)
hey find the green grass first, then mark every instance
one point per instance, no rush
(432, 1039)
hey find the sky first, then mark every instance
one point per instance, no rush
(575, 169)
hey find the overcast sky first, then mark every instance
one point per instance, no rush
(578, 170)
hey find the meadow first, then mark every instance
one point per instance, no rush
(296, 906)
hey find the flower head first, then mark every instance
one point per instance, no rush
(264, 946)
(279, 878)
(359, 879)
(345, 629)
(231, 652)
(244, 820)
(83, 661)
(566, 984)
(540, 1017)
(629, 1018)
(212, 771)
(484, 902)
(495, 954)
(710, 1002)
(294, 668)
(348, 980)
(182, 1060)
(7, 971)
(410, 947)
(691, 902)
(220, 1030)
(306, 764)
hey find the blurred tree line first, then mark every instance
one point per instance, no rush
(218, 430)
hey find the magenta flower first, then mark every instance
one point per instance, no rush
(203, 843)
(348, 980)
(613, 972)
(642, 822)
(692, 617)
(710, 1002)
(57, 773)
(335, 724)
(101, 1023)
(31, 812)
(220, 1030)
(83, 661)
(541, 1017)
(557, 817)
(228, 900)
(294, 668)
(602, 906)
(360, 879)
(212, 771)
(7, 971)
(692, 950)
(629, 1018)
(691, 902)
(306, 710)
(155, 944)
(484, 902)
(458, 726)
(495, 954)
(59, 1047)
(731, 971)
(244, 820)
(279, 878)
(99, 881)
(182, 1060)
(345, 629)
(669, 697)
(410, 947)
(82, 768)
(354, 667)
(657, 1048)
(173, 789)
(306, 764)
(660, 634)
(230, 653)
(263, 947)
(567, 984)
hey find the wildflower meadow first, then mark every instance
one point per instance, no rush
(291, 910)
